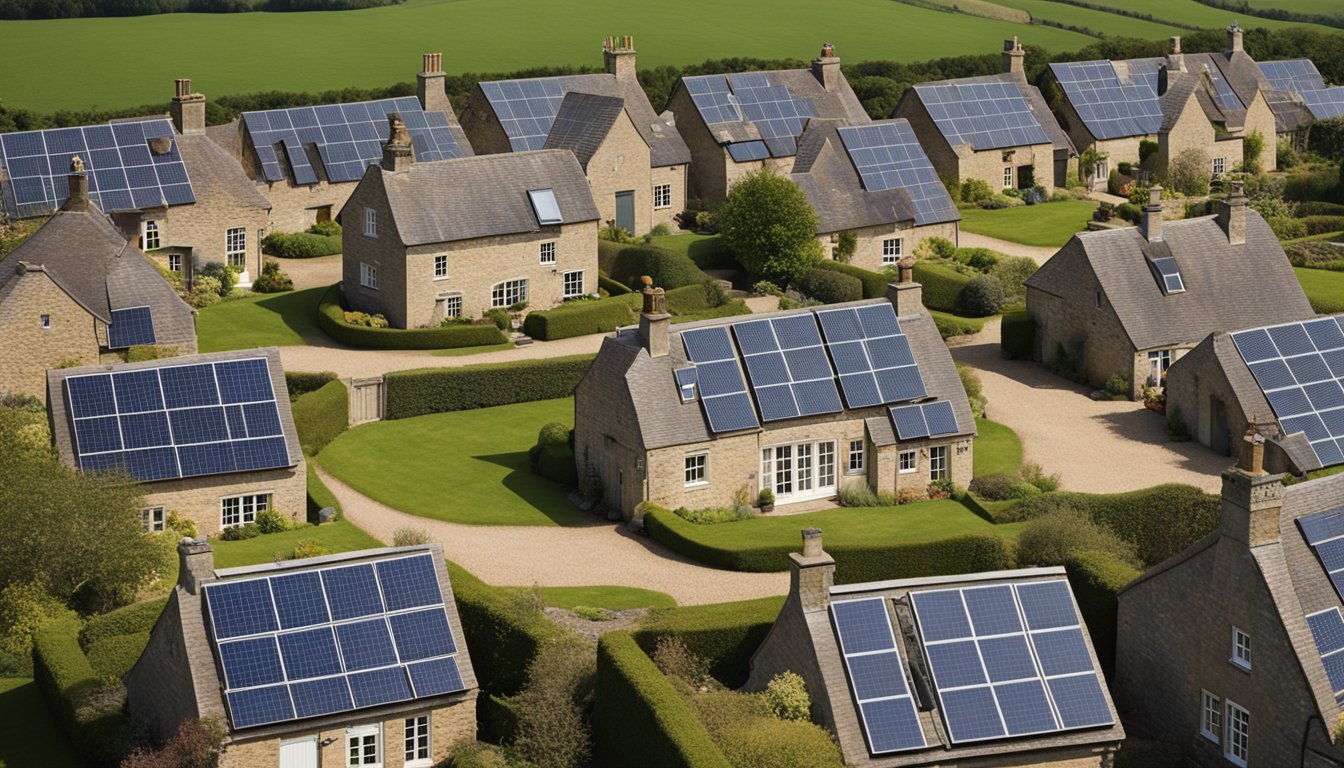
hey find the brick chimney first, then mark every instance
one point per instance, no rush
(1151, 226)
(1234, 38)
(826, 68)
(78, 199)
(618, 55)
(429, 84)
(398, 152)
(1252, 497)
(187, 109)
(1175, 59)
(654, 320)
(811, 573)
(1012, 58)
(906, 296)
(196, 563)
(1232, 215)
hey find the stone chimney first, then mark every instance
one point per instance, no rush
(188, 109)
(1252, 497)
(1234, 38)
(78, 199)
(811, 573)
(398, 152)
(1151, 226)
(1175, 59)
(1012, 58)
(654, 320)
(429, 84)
(618, 55)
(826, 68)
(196, 563)
(906, 296)
(1232, 215)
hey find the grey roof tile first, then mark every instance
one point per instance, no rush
(582, 123)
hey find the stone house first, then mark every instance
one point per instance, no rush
(349, 659)
(996, 128)
(915, 672)
(427, 241)
(1298, 96)
(1132, 301)
(1291, 391)
(210, 437)
(1231, 649)
(77, 292)
(738, 123)
(665, 414)
(634, 159)
(874, 182)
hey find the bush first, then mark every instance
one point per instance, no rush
(742, 726)
(500, 317)
(1034, 474)
(612, 287)
(1285, 156)
(942, 285)
(1252, 146)
(1012, 273)
(768, 222)
(1096, 578)
(132, 619)
(321, 416)
(410, 537)
(674, 659)
(439, 390)
(1147, 149)
(1319, 208)
(204, 292)
(241, 532)
(615, 234)
(975, 190)
(1129, 212)
(327, 228)
(979, 259)
(935, 248)
(331, 319)
(766, 288)
(860, 495)
(504, 631)
(874, 283)
(606, 255)
(1188, 172)
(89, 711)
(113, 657)
(476, 754)
(999, 202)
(1051, 539)
(711, 515)
(1311, 185)
(551, 728)
(25, 608)
(226, 277)
(579, 319)
(556, 463)
(724, 635)
(786, 696)
(300, 383)
(272, 521)
(300, 245)
(668, 269)
(983, 296)
(1314, 253)
(1320, 225)
(271, 279)
(364, 320)
(993, 487)
(1286, 228)
(553, 434)
(144, 352)
(830, 287)
(1118, 385)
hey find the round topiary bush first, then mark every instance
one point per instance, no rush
(553, 434)
(995, 487)
(830, 287)
(983, 296)
(667, 268)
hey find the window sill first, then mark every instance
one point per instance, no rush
(547, 264)
(1239, 664)
(907, 471)
(701, 484)
(437, 278)
(853, 472)
(1215, 739)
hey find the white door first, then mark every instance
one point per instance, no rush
(299, 753)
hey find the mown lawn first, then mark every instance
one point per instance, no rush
(29, 735)
(1324, 288)
(997, 449)
(611, 598)
(263, 320)
(1049, 225)
(337, 537)
(463, 467)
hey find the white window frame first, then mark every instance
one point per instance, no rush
(1158, 362)
(358, 734)
(441, 267)
(416, 728)
(503, 295)
(150, 237)
(1241, 649)
(662, 196)
(907, 462)
(1211, 717)
(546, 252)
(688, 392)
(570, 292)
(371, 222)
(368, 276)
(153, 519)
(174, 262)
(857, 457)
(1219, 166)
(248, 505)
(892, 247)
(235, 247)
(696, 469)
(1237, 734)
(799, 471)
(939, 469)
(452, 305)
(1008, 177)
(46, 322)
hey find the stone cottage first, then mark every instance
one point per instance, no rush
(349, 659)
(995, 128)
(1231, 650)
(1131, 301)
(209, 437)
(986, 669)
(521, 228)
(665, 414)
(77, 292)
(634, 159)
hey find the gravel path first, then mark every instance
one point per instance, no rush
(599, 554)
(1097, 447)
(322, 354)
(312, 273)
(1035, 253)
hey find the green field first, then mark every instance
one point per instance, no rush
(1097, 21)
(997, 449)
(263, 320)
(1325, 289)
(1302, 6)
(1049, 225)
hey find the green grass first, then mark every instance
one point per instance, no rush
(1325, 289)
(1332, 237)
(29, 735)
(1182, 12)
(337, 537)
(464, 467)
(264, 320)
(997, 449)
(1327, 7)
(460, 351)
(611, 598)
(318, 491)
(1097, 21)
(706, 251)
(1049, 225)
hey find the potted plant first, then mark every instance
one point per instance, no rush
(766, 501)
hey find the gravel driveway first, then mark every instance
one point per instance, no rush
(322, 354)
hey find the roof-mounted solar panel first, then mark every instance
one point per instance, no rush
(723, 393)
(746, 151)
(1327, 630)
(887, 155)
(545, 206)
(130, 327)
(876, 675)
(985, 113)
(787, 365)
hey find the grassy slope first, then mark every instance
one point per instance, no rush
(465, 467)
(611, 598)
(1301, 6)
(263, 320)
(997, 449)
(1191, 12)
(1325, 289)
(1048, 226)
(1097, 21)
(337, 537)
(29, 735)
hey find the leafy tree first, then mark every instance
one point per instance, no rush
(1188, 173)
(196, 744)
(1251, 148)
(769, 224)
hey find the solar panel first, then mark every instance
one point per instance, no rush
(877, 675)
(1300, 369)
(752, 97)
(787, 365)
(1327, 630)
(1168, 275)
(1292, 75)
(1324, 533)
(723, 393)
(987, 113)
(887, 155)
(1112, 107)
(348, 137)
(273, 673)
(1009, 660)
(746, 151)
(525, 108)
(177, 421)
(130, 327)
(1325, 103)
(124, 173)
(872, 355)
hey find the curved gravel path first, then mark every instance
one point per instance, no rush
(1097, 447)
(599, 554)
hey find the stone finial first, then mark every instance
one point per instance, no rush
(827, 51)
(76, 164)
(812, 542)
(906, 266)
(648, 294)
(1234, 43)
(398, 152)
(1175, 44)
(77, 199)
(1155, 194)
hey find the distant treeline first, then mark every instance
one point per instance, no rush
(878, 84)
(69, 9)
(1280, 14)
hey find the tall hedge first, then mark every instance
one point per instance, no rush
(127, 620)
(874, 283)
(439, 390)
(89, 710)
(723, 634)
(830, 287)
(612, 287)
(942, 286)
(300, 245)
(331, 319)
(1018, 336)
(579, 318)
(321, 416)
(668, 269)
(302, 382)
(501, 639)
(1096, 578)
(638, 714)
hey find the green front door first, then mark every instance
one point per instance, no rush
(625, 211)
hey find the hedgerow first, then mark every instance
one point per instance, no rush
(127, 620)
(874, 283)
(503, 634)
(579, 318)
(321, 416)
(1018, 335)
(112, 657)
(942, 286)
(439, 390)
(830, 287)
(302, 382)
(668, 269)
(89, 710)
(331, 319)
(300, 245)
(724, 634)
(1096, 579)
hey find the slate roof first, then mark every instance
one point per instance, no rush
(1030, 93)
(582, 123)
(1227, 286)
(482, 196)
(216, 176)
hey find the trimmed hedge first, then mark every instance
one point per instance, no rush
(440, 390)
(321, 416)
(612, 287)
(830, 287)
(1018, 336)
(942, 286)
(874, 283)
(669, 269)
(127, 620)
(502, 641)
(331, 319)
(112, 657)
(1096, 579)
(606, 254)
(300, 245)
(1323, 224)
(637, 711)
(579, 318)
(556, 463)
(724, 634)
(89, 711)
(302, 382)
(496, 719)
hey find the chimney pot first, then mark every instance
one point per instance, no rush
(196, 563)
(618, 56)
(398, 152)
(1175, 43)
(654, 322)
(811, 574)
(1234, 42)
(78, 182)
(1151, 228)
(812, 542)
(1013, 57)
(187, 108)
(429, 84)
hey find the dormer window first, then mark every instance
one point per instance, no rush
(686, 379)
(1168, 275)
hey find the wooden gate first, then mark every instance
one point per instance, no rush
(368, 400)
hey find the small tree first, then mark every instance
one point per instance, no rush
(1087, 164)
(196, 744)
(1188, 173)
(1251, 148)
(769, 224)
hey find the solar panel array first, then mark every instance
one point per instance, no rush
(1324, 533)
(322, 641)
(1009, 660)
(888, 156)
(1168, 275)
(924, 420)
(178, 421)
(1300, 369)
(123, 173)
(723, 393)
(1227, 98)
(877, 675)
(987, 114)
(746, 151)
(1110, 108)
(872, 355)
(1325, 103)
(756, 98)
(1292, 75)
(1327, 630)
(787, 365)
(525, 108)
(348, 137)
(130, 327)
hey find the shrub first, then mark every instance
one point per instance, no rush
(409, 537)
(204, 292)
(321, 416)
(942, 285)
(1012, 272)
(501, 318)
(1285, 156)
(271, 521)
(1286, 228)
(975, 390)
(1096, 578)
(979, 259)
(786, 696)
(25, 608)
(331, 319)
(1118, 385)
(1051, 539)
(1311, 185)
(1314, 253)
(612, 287)
(874, 283)
(1320, 225)
(551, 728)
(768, 222)
(89, 711)
(305, 548)
(668, 269)
(365, 320)
(128, 620)
(300, 245)
(328, 228)
(112, 657)
(476, 754)
(227, 277)
(935, 248)
(993, 487)
(554, 434)
(975, 190)
(1319, 208)
(951, 325)
(674, 659)
(615, 234)
(1129, 212)
(846, 243)
(999, 202)
(660, 230)
(439, 390)
(711, 515)
(271, 279)
(1252, 146)
(302, 382)
(504, 631)
(983, 296)
(196, 744)
(1147, 149)
(830, 287)
(240, 532)
(1034, 474)
(860, 495)
(766, 288)
(724, 635)
(556, 463)
(1188, 172)
(579, 319)
(742, 726)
